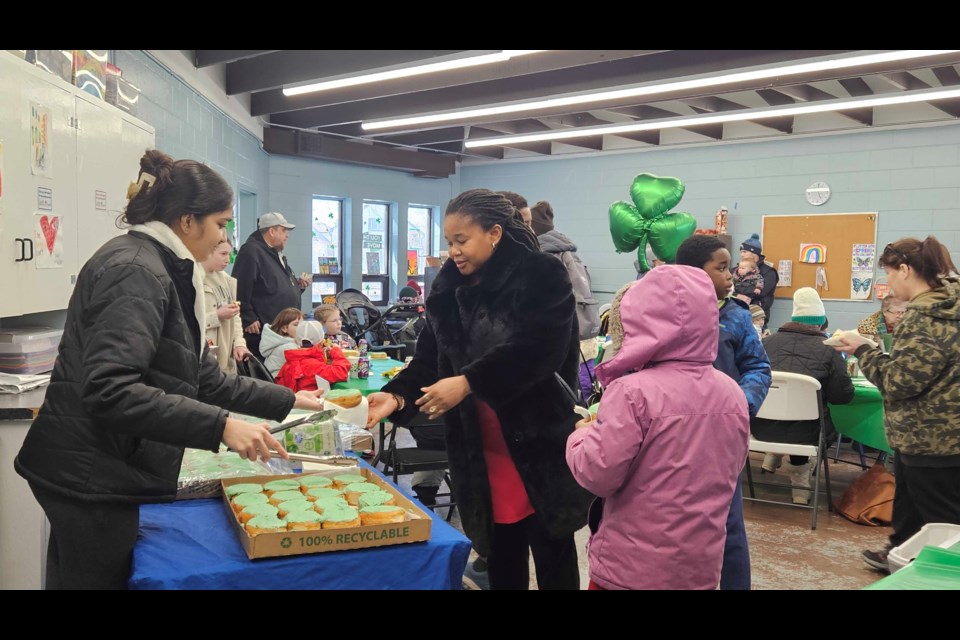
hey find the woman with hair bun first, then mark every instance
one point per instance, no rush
(134, 382)
(920, 383)
(501, 326)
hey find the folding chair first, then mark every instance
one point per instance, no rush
(794, 396)
(407, 460)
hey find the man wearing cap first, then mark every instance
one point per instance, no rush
(752, 250)
(265, 282)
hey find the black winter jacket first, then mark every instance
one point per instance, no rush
(129, 390)
(265, 287)
(508, 335)
(799, 348)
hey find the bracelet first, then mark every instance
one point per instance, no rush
(400, 401)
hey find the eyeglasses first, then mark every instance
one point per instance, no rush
(894, 251)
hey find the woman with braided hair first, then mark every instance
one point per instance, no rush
(501, 326)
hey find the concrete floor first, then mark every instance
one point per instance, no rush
(785, 552)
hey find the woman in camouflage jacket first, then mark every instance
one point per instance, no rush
(920, 384)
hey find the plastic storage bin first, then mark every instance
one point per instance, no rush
(945, 536)
(28, 350)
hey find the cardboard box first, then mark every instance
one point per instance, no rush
(292, 543)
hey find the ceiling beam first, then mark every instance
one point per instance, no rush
(543, 148)
(647, 137)
(805, 93)
(273, 100)
(904, 80)
(620, 73)
(311, 145)
(856, 87)
(714, 131)
(713, 104)
(774, 97)
(209, 57)
(946, 76)
(294, 66)
(950, 106)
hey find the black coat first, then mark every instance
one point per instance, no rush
(129, 390)
(508, 335)
(765, 297)
(265, 287)
(799, 348)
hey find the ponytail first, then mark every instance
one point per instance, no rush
(928, 258)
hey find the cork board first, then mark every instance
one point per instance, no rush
(783, 235)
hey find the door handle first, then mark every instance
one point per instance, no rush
(20, 240)
(31, 249)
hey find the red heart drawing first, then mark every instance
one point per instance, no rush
(49, 224)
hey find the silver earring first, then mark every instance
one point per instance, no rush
(493, 244)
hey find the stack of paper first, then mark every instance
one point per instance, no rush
(10, 383)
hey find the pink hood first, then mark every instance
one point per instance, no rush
(670, 314)
(669, 441)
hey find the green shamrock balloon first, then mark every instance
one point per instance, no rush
(654, 196)
(647, 221)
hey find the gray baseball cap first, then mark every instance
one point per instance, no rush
(273, 219)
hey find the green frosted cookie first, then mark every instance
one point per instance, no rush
(329, 503)
(342, 513)
(267, 522)
(322, 493)
(349, 478)
(297, 504)
(283, 496)
(282, 485)
(379, 508)
(361, 487)
(260, 509)
(297, 517)
(237, 489)
(315, 481)
(374, 498)
(247, 499)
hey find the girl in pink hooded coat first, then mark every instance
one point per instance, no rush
(669, 440)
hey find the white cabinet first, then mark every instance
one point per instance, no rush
(70, 201)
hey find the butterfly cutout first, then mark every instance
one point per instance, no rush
(861, 285)
(863, 263)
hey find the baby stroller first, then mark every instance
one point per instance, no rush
(394, 330)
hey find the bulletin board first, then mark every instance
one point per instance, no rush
(844, 240)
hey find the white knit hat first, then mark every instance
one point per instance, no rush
(808, 307)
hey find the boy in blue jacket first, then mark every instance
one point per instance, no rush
(741, 356)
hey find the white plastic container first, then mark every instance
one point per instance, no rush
(936, 534)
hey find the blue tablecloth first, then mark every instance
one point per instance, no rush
(191, 545)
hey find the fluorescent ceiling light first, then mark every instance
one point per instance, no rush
(697, 82)
(925, 95)
(406, 72)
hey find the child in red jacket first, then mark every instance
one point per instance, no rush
(304, 365)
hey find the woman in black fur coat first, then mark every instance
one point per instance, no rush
(501, 327)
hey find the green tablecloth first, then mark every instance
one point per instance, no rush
(376, 379)
(862, 419)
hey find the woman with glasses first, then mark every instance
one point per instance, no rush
(879, 326)
(920, 383)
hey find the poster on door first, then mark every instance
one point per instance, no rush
(47, 241)
(41, 159)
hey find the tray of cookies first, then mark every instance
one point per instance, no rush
(318, 512)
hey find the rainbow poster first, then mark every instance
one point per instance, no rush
(813, 253)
